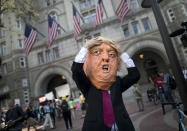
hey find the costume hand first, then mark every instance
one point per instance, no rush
(81, 56)
(127, 60)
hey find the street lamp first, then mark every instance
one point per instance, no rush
(175, 66)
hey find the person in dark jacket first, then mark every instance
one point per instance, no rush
(30, 117)
(95, 74)
(66, 113)
(14, 117)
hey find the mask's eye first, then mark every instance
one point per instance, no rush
(96, 52)
(112, 54)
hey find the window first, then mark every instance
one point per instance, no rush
(24, 83)
(91, 2)
(2, 33)
(18, 22)
(1, 16)
(22, 62)
(48, 56)
(89, 37)
(40, 58)
(4, 50)
(88, 10)
(126, 31)
(146, 25)
(83, 4)
(54, 1)
(56, 53)
(97, 34)
(134, 4)
(171, 15)
(48, 2)
(5, 68)
(20, 43)
(89, 16)
(86, 3)
(136, 28)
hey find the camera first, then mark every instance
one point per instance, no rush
(183, 32)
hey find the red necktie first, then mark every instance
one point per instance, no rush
(108, 112)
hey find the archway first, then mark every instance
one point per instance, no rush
(155, 58)
(148, 63)
(50, 78)
(55, 86)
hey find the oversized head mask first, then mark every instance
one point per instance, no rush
(101, 65)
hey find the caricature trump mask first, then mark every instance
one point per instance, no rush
(102, 62)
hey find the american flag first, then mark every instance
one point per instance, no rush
(76, 19)
(29, 39)
(123, 9)
(52, 30)
(99, 13)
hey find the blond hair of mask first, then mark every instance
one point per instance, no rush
(99, 40)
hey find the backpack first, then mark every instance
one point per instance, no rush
(172, 83)
(65, 106)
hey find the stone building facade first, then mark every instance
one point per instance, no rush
(28, 77)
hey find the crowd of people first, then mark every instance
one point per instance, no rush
(16, 118)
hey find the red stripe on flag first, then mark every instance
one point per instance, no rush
(29, 42)
(123, 9)
(99, 15)
(52, 33)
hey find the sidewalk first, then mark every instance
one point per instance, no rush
(152, 119)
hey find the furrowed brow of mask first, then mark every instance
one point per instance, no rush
(96, 51)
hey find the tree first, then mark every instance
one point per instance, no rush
(25, 9)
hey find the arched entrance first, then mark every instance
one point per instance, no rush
(148, 63)
(154, 56)
(53, 79)
(55, 85)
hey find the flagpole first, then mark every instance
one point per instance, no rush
(104, 10)
(37, 30)
(60, 26)
(78, 12)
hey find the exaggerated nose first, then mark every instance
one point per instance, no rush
(105, 57)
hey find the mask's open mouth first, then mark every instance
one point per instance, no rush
(105, 68)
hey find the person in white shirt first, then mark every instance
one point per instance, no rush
(47, 116)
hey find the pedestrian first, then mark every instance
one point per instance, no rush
(2, 119)
(150, 94)
(94, 71)
(166, 87)
(47, 116)
(66, 113)
(14, 117)
(71, 104)
(30, 117)
(58, 108)
(158, 83)
(42, 114)
(139, 97)
(82, 105)
(36, 112)
(52, 112)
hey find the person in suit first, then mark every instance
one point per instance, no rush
(94, 71)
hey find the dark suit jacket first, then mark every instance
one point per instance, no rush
(94, 120)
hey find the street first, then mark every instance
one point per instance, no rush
(151, 119)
